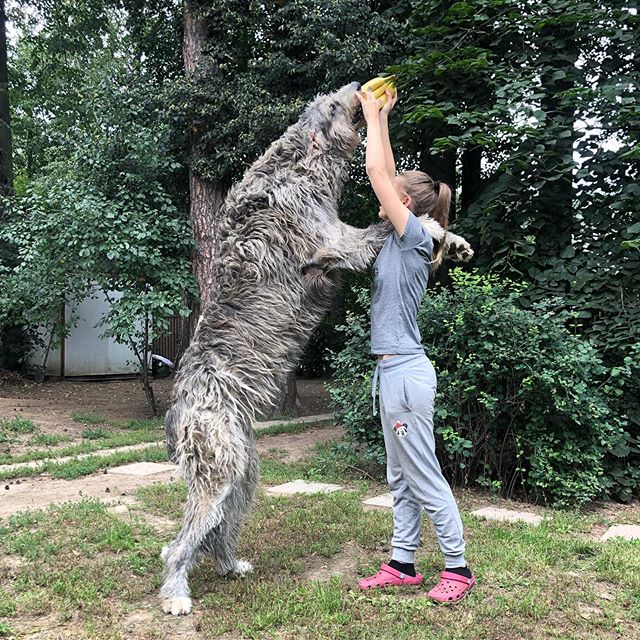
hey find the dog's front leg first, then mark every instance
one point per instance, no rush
(354, 250)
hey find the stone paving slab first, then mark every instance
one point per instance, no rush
(141, 469)
(385, 501)
(322, 417)
(625, 531)
(507, 515)
(302, 486)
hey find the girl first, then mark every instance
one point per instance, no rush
(407, 378)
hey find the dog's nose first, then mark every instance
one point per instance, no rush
(357, 84)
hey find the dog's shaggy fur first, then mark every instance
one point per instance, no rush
(281, 245)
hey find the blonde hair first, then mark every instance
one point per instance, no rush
(428, 197)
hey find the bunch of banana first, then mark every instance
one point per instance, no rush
(379, 88)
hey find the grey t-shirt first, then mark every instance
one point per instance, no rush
(400, 276)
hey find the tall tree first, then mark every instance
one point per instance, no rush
(206, 196)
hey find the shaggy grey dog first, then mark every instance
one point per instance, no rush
(282, 245)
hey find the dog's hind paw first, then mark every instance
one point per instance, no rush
(242, 568)
(177, 606)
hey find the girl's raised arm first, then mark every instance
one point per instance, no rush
(376, 164)
(384, 126)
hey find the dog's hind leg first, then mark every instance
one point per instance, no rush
(221, 542)
(204, 511)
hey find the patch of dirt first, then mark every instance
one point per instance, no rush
(597, 532)
(148, 621)
(40, 492)
(11, 379)
(344, 564)
(298, 445)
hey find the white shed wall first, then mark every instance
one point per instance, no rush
(85, 352)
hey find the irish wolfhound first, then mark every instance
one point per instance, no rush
(281, 218)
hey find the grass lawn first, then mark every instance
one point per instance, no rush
(81, 571)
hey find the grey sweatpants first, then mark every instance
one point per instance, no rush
(407, 393)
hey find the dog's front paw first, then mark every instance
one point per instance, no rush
(458, 249)
(179, 606)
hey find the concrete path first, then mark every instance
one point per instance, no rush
(118, 484)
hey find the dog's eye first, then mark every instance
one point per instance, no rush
(334, 108)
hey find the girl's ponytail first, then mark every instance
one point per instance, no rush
(441, 215)
(428, 197)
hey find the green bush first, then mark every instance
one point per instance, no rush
(523, 406)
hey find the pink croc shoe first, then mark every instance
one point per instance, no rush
(451, 588)
(389, 577)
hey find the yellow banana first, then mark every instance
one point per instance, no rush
(377, 82)
(372, 84)
(380, 91)
(379, 88)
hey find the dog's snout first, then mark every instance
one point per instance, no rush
(357, 86)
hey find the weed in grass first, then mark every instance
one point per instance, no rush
(277, 452)
(142, 424)
(293, 427)
(47, 440)
(5, 629)
(95, 434)
(88, 418)
(163, 499)
(7, 604)
(17, 425)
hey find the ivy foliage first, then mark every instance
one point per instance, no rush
(523, 407)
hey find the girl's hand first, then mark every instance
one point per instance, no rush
(370, 105)
(392, 98)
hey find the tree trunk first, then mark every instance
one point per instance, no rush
(6, 168)
(555, 200)
(470, 179)
(289, 403)
(205, 197)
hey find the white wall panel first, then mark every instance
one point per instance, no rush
(85, 352)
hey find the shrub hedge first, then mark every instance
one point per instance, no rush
(524, 407)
